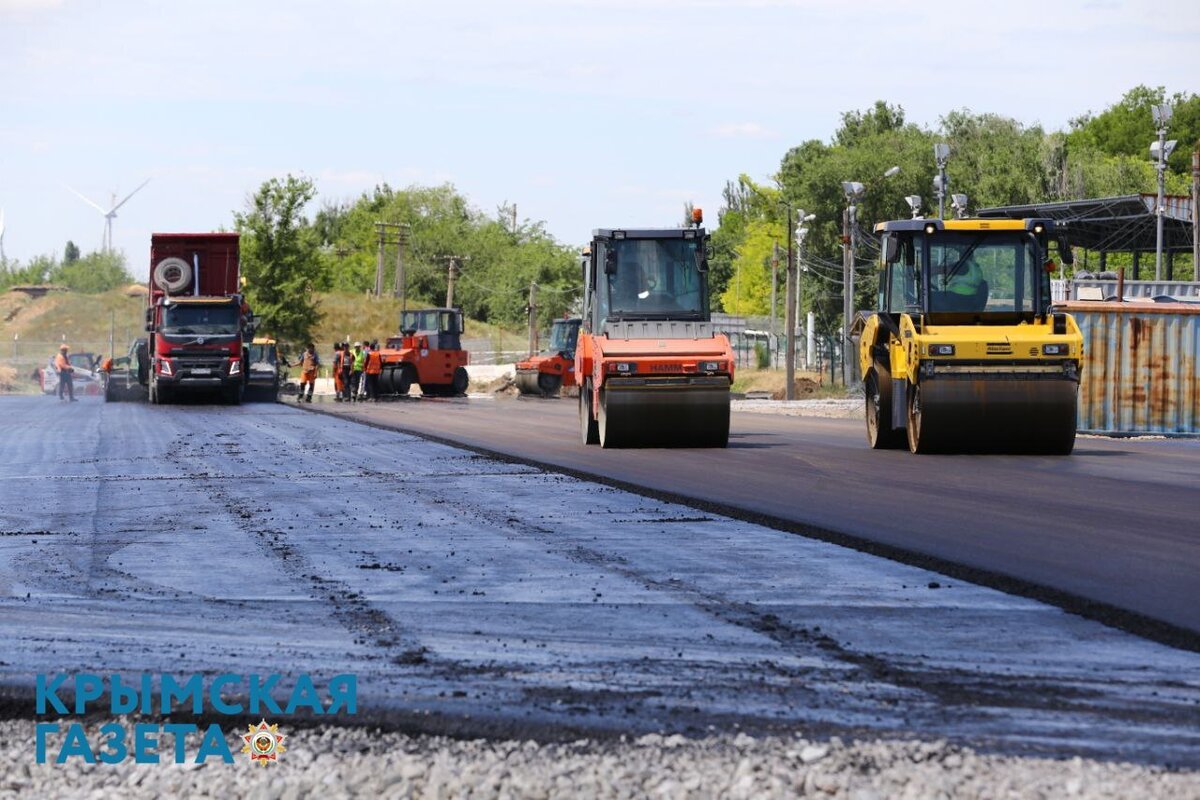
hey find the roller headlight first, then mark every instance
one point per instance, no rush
(624, 367)
(710, 366)
(1056, 349)
(941, 349)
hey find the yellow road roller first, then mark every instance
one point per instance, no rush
(964, 352)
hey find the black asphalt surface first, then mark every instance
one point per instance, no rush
(1110, 532)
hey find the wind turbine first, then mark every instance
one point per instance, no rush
(110, 214)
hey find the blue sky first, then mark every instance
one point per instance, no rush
(584, 113)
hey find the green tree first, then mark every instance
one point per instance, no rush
(36, 272)
(70, 252)
(94, 273)
(280, 260)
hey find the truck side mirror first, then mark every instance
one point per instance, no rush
(891, 249)
(149, 319)
(610, 261)
(701, 261)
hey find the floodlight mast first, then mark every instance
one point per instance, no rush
(1159, 151)
(941, 154)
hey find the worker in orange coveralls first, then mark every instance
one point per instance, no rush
(339, 380)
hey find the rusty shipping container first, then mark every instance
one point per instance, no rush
(1139, 369)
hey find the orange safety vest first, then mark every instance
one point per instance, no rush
(374, 363)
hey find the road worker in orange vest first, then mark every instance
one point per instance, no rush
(373, 369)
(62, 365)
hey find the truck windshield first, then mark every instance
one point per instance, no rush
(430, 321)
(986, 271)
(262, 354)
(200, 320)
(563, 335)
(655, 278)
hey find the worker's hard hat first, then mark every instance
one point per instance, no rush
(63, 346)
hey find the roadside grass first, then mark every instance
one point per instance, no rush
(809, 385)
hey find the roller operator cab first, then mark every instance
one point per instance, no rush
(964, 352)
(197, 321)
(428, 352)
(652, 371)
(553, 368)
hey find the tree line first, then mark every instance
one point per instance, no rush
(995, 160)
(98, 271)
(287, 258)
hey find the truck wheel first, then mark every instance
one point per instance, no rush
(589, 431)
(460, 381)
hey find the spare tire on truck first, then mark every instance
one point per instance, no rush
(172, 275)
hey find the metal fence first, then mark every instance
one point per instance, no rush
(1140, 368)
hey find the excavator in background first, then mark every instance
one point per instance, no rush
(553, 368)
(964, 352)
(652, 370)
(428, 352)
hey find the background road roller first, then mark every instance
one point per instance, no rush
(428, 352)
(553, 368)
(964, 352)
(652, 371)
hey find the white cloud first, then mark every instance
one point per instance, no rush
(28, 5)
(744, 130)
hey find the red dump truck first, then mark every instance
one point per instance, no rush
(197, 322)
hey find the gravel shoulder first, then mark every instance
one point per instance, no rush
(356, 762)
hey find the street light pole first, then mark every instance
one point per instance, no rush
(789, 360)
(1160, 151)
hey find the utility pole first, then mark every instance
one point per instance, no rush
(847, 290)
(789, 360)
(774, 282)
(399, 290)
(450, 282)
(1196, 213)
(381, 230)
(531, 309)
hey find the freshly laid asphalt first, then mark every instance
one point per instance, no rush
(1110, 532)
(481, 596)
